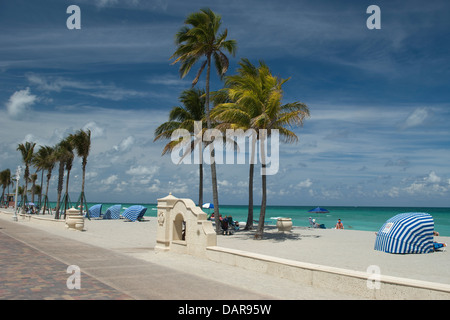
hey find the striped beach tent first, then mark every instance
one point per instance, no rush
(406, 233)
(95, 211)
(134, 213)
(113, 212)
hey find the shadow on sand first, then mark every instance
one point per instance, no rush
(271, 233)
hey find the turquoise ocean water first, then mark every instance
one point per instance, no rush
(356, 218)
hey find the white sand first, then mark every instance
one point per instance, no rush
(349, 249)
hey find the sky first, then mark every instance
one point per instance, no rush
(379, 99)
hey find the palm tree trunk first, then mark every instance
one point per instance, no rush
(249, 225)
(262, 215)
(60, 187)
(32, 188)
(200, 186)
(42, 183)
(49, 175)
(82, 187)
(66, 197)
(26, 176)
(213, 164)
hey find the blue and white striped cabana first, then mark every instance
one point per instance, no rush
(113, 212)
(134, 213)
(95, 211)
(406, 233)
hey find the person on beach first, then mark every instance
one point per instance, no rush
(339, 224)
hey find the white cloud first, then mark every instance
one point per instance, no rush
(433, 178)
(110, 180)
(91, 88)
(91, 174)
(96, 130)
(125, 144)
(416, 118)
(142, 170)
(305, 184)
(155, 186)
(223, 183)
(20, 102)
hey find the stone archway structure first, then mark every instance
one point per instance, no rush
(183, 227)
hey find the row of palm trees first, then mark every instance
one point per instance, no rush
(250, 99)
(46, 158)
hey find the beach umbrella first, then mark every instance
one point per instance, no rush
(208, 205)
(30, 204)
(319, 210)
(113, 212)
(95, 211)
(134, 213)
(406, 233)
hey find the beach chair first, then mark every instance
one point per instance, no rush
(113, 212)
(95, 211)
(134, 213)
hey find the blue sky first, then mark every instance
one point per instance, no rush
(379, 99)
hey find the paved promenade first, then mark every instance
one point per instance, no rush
(34, 263)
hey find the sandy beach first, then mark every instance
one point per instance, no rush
(347, 249)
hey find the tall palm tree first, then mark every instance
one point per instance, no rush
(33, 178)
(69, 161)
(26, 151)
(5, 182)
(256, 103)
(199, 38)
(81, 142)
(63, 154)
(44, 159)
(183, 117)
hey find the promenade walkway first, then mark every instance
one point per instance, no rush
(33, 265)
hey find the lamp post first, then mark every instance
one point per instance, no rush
(17, 191)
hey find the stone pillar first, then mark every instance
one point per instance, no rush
(163, 232)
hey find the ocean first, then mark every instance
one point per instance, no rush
(353, 218)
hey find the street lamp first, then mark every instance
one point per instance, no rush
(17, 191)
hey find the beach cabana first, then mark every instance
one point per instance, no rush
(406, 233)
(95, 211)
(113, 212)
(134, 213)
(319, 210)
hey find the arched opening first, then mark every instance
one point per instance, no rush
(179, 228)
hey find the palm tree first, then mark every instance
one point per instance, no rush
(44, 160)
(69, 161)
(5, 181)
(26, 150)
(33, 178)
(81, 141)
(198, 39)
(256, 103)
(183, 117)
(63, 154)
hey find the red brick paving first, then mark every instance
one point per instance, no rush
(28, 274)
